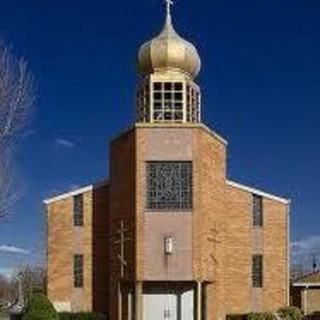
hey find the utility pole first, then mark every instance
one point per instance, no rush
(314, 263)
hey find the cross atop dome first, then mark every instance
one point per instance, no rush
(169, 51)
(169, 3)
(168, 65)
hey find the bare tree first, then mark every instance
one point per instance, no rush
(7, 194)
(16, 100)
(7, 292)
(29, 280)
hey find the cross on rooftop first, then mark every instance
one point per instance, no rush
(169, 3)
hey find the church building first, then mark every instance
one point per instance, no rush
(168, 235)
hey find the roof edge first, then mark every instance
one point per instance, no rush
(183, 126)
(307, 284)
(72, 193)
(258, 192)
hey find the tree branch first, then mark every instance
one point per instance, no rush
(17, 96)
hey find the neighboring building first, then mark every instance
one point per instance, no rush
(305, 293)
(168, 236)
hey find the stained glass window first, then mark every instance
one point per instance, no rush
(169, 185)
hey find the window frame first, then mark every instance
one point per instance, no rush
(257, 271)
(78, 271)
(78, 210)
(257, 211)
(166, 101)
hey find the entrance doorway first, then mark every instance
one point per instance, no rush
(168, 302)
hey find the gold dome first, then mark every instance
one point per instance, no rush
(168, 51)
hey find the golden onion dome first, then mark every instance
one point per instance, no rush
(168, 51)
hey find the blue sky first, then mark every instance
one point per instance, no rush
(260, 83)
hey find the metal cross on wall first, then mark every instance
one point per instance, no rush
(213, 238)
(122, 239)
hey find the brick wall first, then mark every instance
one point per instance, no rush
(310, 300)
(275, 290)
(162, 144)
(122, 208)
(59, 251)
(100, 248)
(209, 167)
(217, 236)
(238, 251)
(243, 240)
(64, 241)
(208, 155)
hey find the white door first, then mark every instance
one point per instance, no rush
(165, 306)
(187, 312)
(160, 307)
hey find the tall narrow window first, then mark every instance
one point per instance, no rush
(78, 270)
(257, 271)
(257, 208)
(169, 185)
(78, 210)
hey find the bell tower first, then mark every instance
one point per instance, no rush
(162, 173)
(168, 65)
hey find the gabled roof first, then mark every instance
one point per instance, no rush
(258, 192)
(312, 279)
(75, 192)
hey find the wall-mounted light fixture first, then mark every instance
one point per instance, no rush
(168, 245)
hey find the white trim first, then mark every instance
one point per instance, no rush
(68, 194)
(258, 192)
(288, 254)
(214, 134)
(307, 284)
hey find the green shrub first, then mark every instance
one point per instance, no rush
(40, 308)
(290, 313)
(81, 316)
(261, 316)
